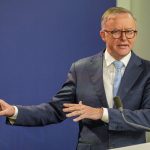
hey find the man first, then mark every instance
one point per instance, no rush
(87, 95)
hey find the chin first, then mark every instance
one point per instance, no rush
(124, 51)
(120, 55)
(123, 54)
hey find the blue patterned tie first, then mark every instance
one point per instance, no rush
(118, 66)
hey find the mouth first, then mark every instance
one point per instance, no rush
(123, 46)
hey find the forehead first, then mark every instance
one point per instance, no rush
(122, 20)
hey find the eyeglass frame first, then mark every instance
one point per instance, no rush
(134, 32)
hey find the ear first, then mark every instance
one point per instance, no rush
(102, 35)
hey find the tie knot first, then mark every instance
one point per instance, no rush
(118, 64)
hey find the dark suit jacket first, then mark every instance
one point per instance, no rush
(85, 82)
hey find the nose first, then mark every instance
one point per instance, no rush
(123, 36)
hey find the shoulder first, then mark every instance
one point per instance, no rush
(87, 60)
(139, 60)
(145, 64)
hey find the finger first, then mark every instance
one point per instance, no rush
(79, 118)
(3, 113)
(73, 114)
(69, 105)
(70, 109)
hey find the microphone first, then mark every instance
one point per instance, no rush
(119, 106)
(118, 103)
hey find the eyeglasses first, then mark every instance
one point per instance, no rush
(116, 34)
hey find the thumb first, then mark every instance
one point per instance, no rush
(6, 109)
(3, 113)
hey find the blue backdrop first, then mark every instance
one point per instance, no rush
(39, 39)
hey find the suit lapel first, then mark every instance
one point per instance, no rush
(131, 74)
(95, 70)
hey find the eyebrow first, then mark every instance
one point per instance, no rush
(124, 29)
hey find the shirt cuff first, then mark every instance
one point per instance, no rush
(14, 117)
(105, 116)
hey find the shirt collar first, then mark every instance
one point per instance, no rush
(109, 59)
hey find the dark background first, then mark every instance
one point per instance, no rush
(39, 40)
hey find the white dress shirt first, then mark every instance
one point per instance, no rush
(108, 78)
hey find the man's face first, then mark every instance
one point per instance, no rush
(118, 47)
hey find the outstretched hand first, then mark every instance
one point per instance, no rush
(6, 109)
(81, 111)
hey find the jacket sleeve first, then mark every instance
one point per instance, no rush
(51, 112)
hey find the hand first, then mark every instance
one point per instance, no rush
(81, 111)
(6, 109)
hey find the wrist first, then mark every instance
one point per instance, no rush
(14, 113)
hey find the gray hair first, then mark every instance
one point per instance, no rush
(114, 11)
